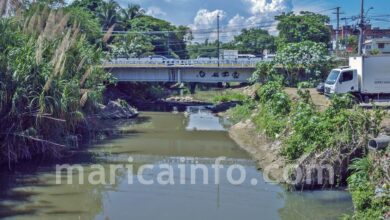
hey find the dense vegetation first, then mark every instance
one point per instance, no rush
(299, 64)
(49, 80)
(341, 131)
(306, 26)
(145, 36)
(370, 186)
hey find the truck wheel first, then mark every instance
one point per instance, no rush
(355, 100)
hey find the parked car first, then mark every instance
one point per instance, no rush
(158, 57)
(321, 88)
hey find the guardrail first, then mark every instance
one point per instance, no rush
(191, 62)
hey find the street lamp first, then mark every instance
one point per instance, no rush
(371, 8)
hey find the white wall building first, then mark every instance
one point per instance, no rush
(381, 44)
(228, 54)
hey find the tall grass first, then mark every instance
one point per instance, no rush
(48, 82)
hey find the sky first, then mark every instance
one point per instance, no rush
(201, 15)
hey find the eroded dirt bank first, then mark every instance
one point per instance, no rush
(265, 152)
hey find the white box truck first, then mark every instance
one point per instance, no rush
(366, 77)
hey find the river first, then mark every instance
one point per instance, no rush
(197, 137)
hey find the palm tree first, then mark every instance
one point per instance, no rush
(108, 14)
(132, 11)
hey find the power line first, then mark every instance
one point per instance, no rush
(321, 11)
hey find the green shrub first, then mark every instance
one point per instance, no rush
(271, 124)
(274, 98)
(375, 52)
(241, 112)
(337, 127)
(362, 187)
(229, 96)
(265, 71)
(307, 84)
(275, 106)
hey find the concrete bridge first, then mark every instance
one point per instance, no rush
(165, 70)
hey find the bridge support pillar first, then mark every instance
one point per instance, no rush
(192, 87)
(179, 81)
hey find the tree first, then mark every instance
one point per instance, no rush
(350, 43)
(170, 42)
(132, 11)
(307, 26)
(132, 45)
(205, 49)
(88, 23)
(108, 14)
(90, 5)
(254, 41)
(307, 59)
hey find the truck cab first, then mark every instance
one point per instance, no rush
(341, 81)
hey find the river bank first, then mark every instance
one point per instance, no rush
(264, 152)
(296, 141)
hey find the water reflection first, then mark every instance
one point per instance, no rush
(30, 192)
(200, 119)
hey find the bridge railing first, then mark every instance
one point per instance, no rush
(191, 62)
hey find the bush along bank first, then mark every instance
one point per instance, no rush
(320, 148)
(50, 82)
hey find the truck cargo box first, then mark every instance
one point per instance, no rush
(374, 73)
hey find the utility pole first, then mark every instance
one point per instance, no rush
(218, 40)
(337, 28)
(168, 45)
(361, 28)
(345, 26)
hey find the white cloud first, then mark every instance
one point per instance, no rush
(204, 23)
(205, 19)
(155, 12)
(263, 14)
(269, 6)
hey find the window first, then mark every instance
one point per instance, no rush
(347, 76)
(331, 80)
(381, 45)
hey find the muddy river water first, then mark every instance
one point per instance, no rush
(179, 141)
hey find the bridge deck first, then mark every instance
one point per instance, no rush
(160, 66)
(204, 71)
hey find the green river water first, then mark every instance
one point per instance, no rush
(30, 191)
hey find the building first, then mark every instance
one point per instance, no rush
(228, 54)
(379, 44)
(369, 33)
